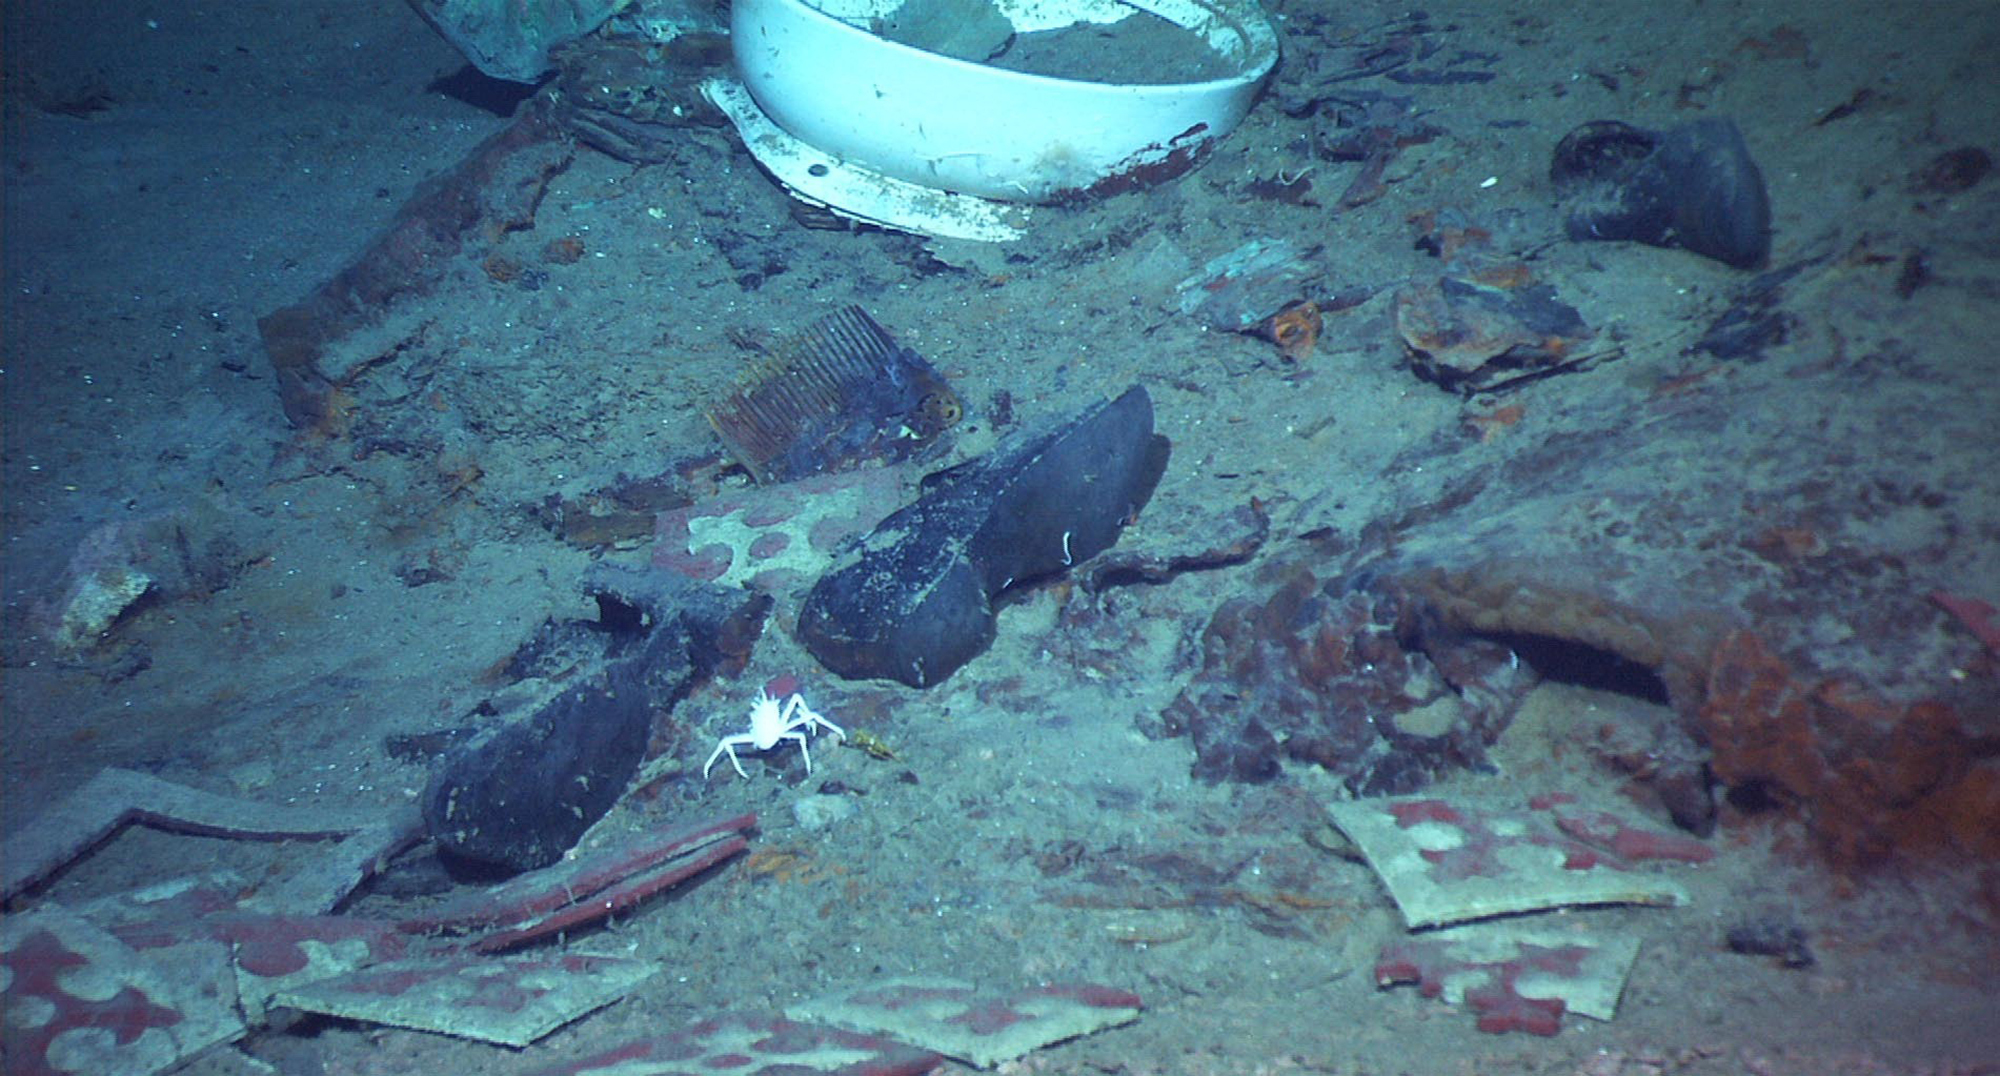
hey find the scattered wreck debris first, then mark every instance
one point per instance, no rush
(977, 1025)
(1451, 861)
(1514, 977)
(1357, 677)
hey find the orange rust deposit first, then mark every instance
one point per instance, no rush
(1295, 329)
(566, 250)
(787, 863)
(1680, 383)
(1489, 424)
(1504, 275)
(501, 268)
(1870, 780)
(1786, 545)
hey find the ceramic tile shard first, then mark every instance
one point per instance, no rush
(115, 798)
(737, 1042)
(1515, 977)
(778, 538)
(508, 1000)
(78, 1000)
(979, 1026)
(269, 952)
(1448, 861)
(188, 964)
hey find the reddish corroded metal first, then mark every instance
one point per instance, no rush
(587, 888)
(1151, 166)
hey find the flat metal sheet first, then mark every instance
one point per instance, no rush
(978, 1026)
(1448, 861)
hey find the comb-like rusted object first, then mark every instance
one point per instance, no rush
(839, 394)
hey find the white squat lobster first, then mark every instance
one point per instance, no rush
(770, 723)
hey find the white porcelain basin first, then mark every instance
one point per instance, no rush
(823, 74)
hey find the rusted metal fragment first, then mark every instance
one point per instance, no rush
(324, 345)
(1471, 337)
(1869, 778)
(841, 394)
(576, 892)
(1361, 678)
(1234, 538)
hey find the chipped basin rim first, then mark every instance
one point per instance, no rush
(967, 128)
